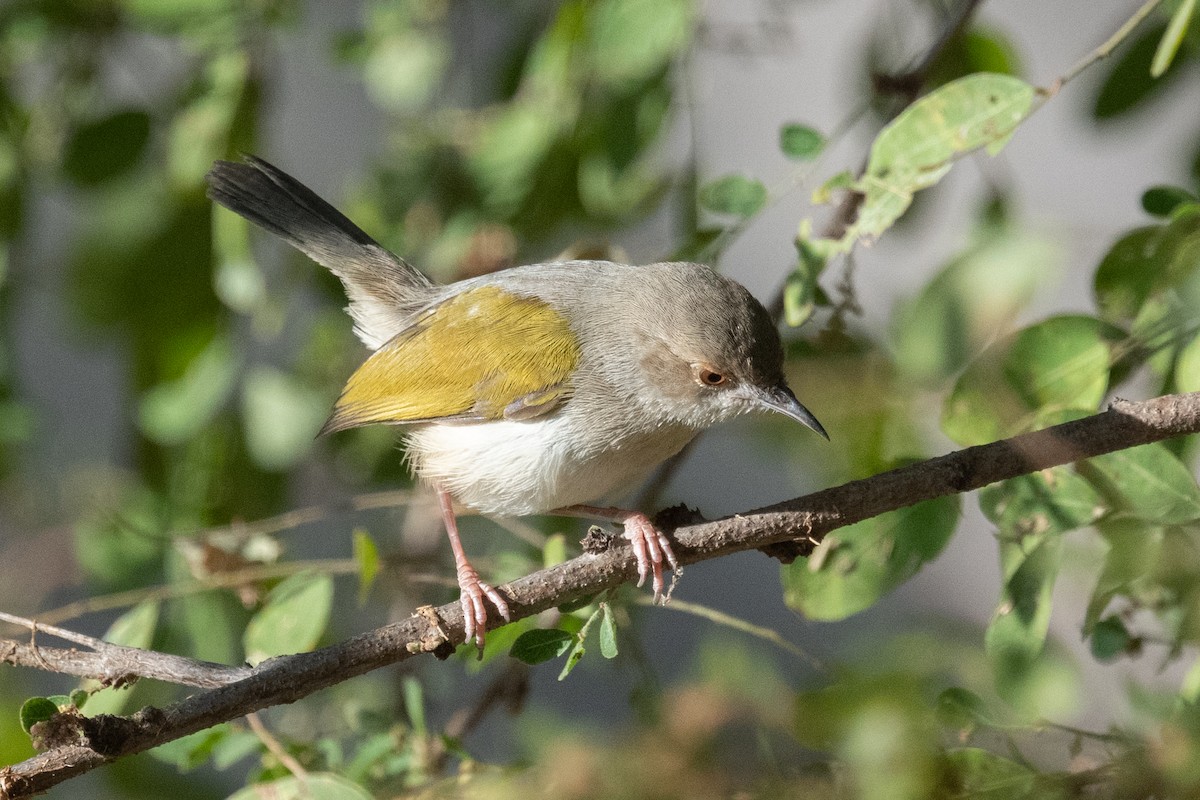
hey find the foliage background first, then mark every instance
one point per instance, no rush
(163, 369)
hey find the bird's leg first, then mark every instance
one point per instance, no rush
(471, 590)
(650, 545)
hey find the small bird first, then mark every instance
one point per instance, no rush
(537, 389)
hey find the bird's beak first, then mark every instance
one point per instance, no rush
(780, 398)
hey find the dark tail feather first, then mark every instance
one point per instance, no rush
(376, 280)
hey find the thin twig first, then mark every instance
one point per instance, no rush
(275, 747)
(1106, 49)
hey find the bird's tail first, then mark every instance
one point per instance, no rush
(382, 287)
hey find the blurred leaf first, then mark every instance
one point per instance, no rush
(403, 71)
(100, 150)
(630, 40)
(541, 644)
(1109, 638)
(1017, 634)
(118, 545)
(366, 555)
(1150, 483)
(977, 49)
(1187, 367)
(35, 710)
(1127, 274)
(414, 705)
(1061, 363)
(233, 747)
(1161, 201)
(322, 785)
(1050, 501)
(292, 619)
(554, 551)
(193, 750)
(1129, 82)
(915, 150)
(962, 709)
(206, 128)
(735, 195)
(172, 13)
(135, 628)
(868, 559)
(281, 416)
(800, 142)
(512, 143)
(172, 413)
(800, 293)
(1134, 548)
(1168, 45)
(608, 632)
(970, 302)
(980, 775)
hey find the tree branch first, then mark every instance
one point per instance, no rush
(88, 743)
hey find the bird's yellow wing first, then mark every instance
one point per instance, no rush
(483, 354)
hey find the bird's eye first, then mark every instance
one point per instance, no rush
(709, 377)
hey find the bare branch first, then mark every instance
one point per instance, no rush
(98, 740)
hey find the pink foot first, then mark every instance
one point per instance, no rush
(651, 548)
(474, 605)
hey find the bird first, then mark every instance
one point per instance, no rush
(537, 389)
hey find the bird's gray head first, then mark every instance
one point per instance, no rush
(709, 350)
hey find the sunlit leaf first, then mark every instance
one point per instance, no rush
(1134, 548)
(366, 555)
(1060, 363)
(575, 656)
(981, 775)
(1187, 367)
(404, 70)
(869, 559)
(1150, 482)
(135, 628)
(292, 619)
(918, 148)
(1168, 45)
(323, 785)
(608, 632)
(1050, 501)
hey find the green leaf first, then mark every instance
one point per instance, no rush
(573, 658)
(404, 69)
(866, 560)
(1134, 550)
(962, 709)
(173, 413)
(1109, 638)
(736, 195)
(970, 302)
(630, 40)
(282, 417)
(554, 551)
(1127, 274)
(1017, 634)
(414, 705)
(608, 632)
(800, 142)
(366, 555)
(1129, 82)
(917, 149)
(233, 747)
(292, 619)
(1149, 482)
(323, 785)
(35, 710)
(135, 628)
(981, 775)
(191, 751)
(1168, 45)
(1187, 367)
(542, 644)
(1051, 501)
(1061, 363)
(1161, 201)
(100, 150)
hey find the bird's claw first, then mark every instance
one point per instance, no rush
(651, 548)
(473, 597)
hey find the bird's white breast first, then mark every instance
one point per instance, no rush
(516, 467)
